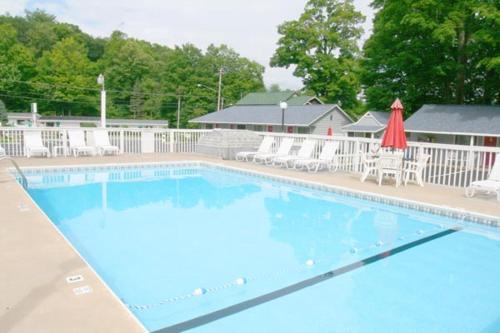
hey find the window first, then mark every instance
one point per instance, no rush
(241, 127)
(302, 130)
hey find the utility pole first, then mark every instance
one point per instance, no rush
(219, 90)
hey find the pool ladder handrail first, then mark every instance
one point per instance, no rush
(24, 180)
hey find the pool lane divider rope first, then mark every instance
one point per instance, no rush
(230, 310)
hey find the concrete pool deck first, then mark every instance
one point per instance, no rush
(35, 259)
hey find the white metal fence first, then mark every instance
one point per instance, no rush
(450, 165)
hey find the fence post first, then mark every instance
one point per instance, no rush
(65, 142)
(356, 156)
(122, 141)
(171, 141)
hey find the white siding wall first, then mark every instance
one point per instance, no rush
(334, 119)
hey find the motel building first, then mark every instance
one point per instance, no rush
(261, 112)
(25, 119)
(476, 125)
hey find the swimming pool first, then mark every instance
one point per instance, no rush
(200, 247)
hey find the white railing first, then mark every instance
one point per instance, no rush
(449, 165)
(129, 140)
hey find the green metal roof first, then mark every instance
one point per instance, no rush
(265, 98)
(274, 98)
(302, 100)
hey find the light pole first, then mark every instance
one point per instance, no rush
(283, 106)
(34, 111)
(100, 81)
(219, 90)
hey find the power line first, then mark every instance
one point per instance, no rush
(32, 98)
(51, 85)
(44, 96)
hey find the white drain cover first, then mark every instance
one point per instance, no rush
(82, 290)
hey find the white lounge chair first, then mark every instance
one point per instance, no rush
(283, 150)
(265, 148)
(77, 143)
(305, 152)
(102, 144)
(2, 152)
(327, 158)
(416, 168)
(33, 144)
(490, 185)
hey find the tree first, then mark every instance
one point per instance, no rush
(137, 101)
(65, 75)
(3, 113)
(16, 66)
(56, 65)
(274, 88)
(322, 44)
(433, 51)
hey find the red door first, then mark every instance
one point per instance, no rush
(289, 129)
(269, 128)
(490, 141)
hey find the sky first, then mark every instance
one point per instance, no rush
(249, 27)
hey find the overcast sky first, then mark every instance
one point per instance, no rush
(249, 27)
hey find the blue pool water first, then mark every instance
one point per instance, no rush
(155, 235)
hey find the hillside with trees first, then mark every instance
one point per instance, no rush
(422, 51)
(56, 65)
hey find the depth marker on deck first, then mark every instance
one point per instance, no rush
(230, 310)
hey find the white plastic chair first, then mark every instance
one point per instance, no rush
(77, 143)
(327, 158)
(33, 144)
(490, 185)
(369, 165)
(390, 164)
(416, 168)
(305, 152)
(283, 150)
(265, 148)
(102, 144)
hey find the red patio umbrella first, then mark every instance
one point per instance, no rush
(394, 135)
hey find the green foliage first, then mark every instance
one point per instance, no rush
(433, 51)
(3, 113)
(60, 73)
(56, 65)
(322, 44)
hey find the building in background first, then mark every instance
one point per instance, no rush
(292, 98)
(25, 119)
(261, 112)
(456, 124)
(21, 118)
(371, 125)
